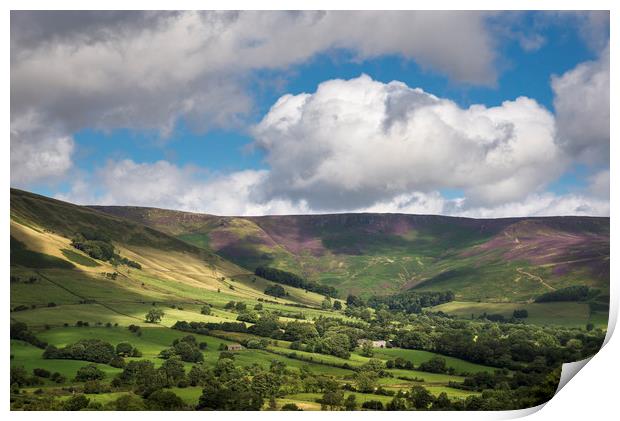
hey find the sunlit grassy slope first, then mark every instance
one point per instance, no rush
(172, 271)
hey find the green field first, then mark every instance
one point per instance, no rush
(559, 313)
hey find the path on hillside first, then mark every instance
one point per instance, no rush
(536, 277)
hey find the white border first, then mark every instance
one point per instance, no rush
(591, 395)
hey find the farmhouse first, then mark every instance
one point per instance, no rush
(234, 347)
(374, 344)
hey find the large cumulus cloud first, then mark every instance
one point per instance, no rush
(357, 142)
(147, 70)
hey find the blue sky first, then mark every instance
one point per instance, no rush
(226, 148)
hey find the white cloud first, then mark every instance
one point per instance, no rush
(543, 204)
(358, 142)
(38, 152)
(145, 70)
(582, 109)
(599, 184)
(165, 185)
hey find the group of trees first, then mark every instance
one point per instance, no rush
(410, 301)
(572, 293)
(276, 290)
(99, 246)
(20, 331)
(19, 377)
(294, 280)
(186, 349)
(94, 350)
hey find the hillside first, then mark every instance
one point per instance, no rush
(495, 260)
(82, 336)
(172, 270)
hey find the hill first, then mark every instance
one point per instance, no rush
(171, 269)
(495, 260)
(83, 282)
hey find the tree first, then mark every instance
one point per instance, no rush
(275, 290)
(290, 407)
(266, 325)
(337, 305)
(332, 399)
(117, 362)
(128, 402)
(300, 331)
(249, 316)
(199, 375)
(396, 404)
(520, 313)
(367, 350)
(350, 403)
(235, 394)
(266, 384)
(326, 304)
(354, 301)
(206, 310)
(154, 315)
(76, 403)
(164, 400)
(420, 398)
(174, 369)
(124, 349)
(374, 405)
(434, 365)
(366, 381)
(442, 402)
(89, 372)
(41, 372)
(336, 344)
(365, 314)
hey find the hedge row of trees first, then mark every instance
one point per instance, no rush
(20, 331)
(410, 301)
(294, 280)
(93, 350)
(572, 293)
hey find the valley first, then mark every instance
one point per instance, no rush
(199, 272)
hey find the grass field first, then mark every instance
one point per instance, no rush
(556, 313)
(417, 357)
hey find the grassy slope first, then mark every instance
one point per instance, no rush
(501, 260)
(559, 313)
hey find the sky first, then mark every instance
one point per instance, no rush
(478, 114)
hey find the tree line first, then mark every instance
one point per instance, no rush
(294, 280)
